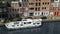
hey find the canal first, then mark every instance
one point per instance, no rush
(48, 27)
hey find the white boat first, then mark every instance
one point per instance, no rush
(25, 23)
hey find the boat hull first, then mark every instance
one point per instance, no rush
(23, 24)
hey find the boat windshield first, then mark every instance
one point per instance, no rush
(27, 22)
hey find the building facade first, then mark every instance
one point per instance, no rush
(37, 8)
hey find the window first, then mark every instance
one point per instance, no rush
(29, 22)
(56, 0)
(24, 0)
(31, 3)
(51, 13)
(44, 13)
(31, 14)
(16, 4)
(20, 4)
(38, 23)
(36, 4)
(39, 0)
(52, 0)
(43, 8)
(24, 22)
(48, 3)
(21, 24)
(55, 4)
(13, 25)
(39, 4)
(17, 25)
(37, 9)
(43, 3)
(17, 15)
(31, 8)
(37, 13)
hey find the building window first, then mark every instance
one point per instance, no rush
(31, 14)
(56, 0)
(39, 4)
(37, 13)
(55, 4)
(44, 13)
(31, 8)
(24, 0)
(56, 13)
(13, 25)
(52, 0)
(55, 8)
(43, 3)
(31, 3)
(43, 8)
(51, 13)
(20, 4)
(36, 4)
(48, 3)
(16, 4)
(39, 0)
(37, 9)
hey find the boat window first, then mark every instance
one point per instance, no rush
(13, 25)
(29, 22)
(16, 23)
(24, 22)
(38, 23)
(34, 23)
(21, 24)
(7, 25)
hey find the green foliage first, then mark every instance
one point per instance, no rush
(0, 4)
(6, 0)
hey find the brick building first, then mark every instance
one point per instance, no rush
(37, 8)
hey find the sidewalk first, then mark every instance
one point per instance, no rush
(1, 24)
(52, 19)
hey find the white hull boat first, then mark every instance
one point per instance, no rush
(25, 23)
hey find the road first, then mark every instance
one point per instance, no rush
(47, 28)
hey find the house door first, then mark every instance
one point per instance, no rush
(56, 13)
